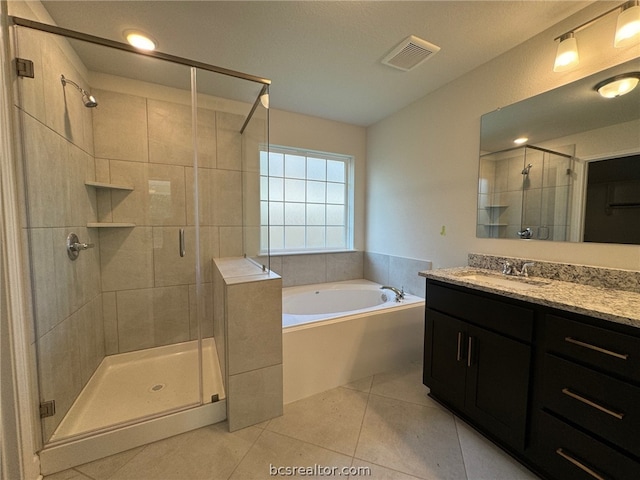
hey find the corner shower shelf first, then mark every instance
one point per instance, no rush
(111, 186)
(110, 225)
(495, 206)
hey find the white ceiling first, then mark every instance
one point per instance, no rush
(323, 58)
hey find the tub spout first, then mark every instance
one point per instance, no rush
(399, 293)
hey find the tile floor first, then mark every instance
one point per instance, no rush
(384, 423)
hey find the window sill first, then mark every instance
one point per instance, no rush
(287, 253)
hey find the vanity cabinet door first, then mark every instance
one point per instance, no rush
(445, 367)
(498, 384)
(479, 373)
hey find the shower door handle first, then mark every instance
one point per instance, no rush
(183, 250)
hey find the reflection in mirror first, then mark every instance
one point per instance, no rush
(567, 129)
(525, 192)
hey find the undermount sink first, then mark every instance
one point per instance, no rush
(519, 283)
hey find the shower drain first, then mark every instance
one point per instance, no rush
(157, 387)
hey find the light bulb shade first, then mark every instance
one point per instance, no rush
(264, 99)
(567, 54)
(618, 85)
(628, 25)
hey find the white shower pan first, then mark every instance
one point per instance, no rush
(160, 382)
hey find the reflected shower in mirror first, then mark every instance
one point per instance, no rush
(525, 192)
(566, 130)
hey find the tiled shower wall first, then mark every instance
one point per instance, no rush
(57, 158)
(132, 290)
(149, 291)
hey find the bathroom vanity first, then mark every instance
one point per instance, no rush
(547, 369)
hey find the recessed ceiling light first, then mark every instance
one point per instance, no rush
(521, 140)
(140, 40)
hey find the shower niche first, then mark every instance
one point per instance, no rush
(525, 193)
(153, 161)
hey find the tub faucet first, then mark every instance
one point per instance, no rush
(399, 293)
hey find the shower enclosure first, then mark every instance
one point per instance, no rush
(138, 170)
(525, 192)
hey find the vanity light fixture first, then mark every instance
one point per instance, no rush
(628, 25)
(567, 54)
(627, 32)
(140, 40)
(618, 85)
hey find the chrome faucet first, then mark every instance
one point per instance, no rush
(526, 233)
(509, 269)
(399, 293)
(524, 272)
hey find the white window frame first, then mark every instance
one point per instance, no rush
(266, 245)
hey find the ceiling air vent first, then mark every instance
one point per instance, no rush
(411, 52)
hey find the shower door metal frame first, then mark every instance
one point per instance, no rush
(43, 27)
(192, 64)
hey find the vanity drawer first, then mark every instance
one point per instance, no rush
(596, 402)
(507, 318)
(604, 349)
(567, 453)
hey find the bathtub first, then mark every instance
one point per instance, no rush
(336, 333)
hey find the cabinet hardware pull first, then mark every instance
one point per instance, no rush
(469, 355)
(183, 250)
(578, 464)
(580, 398)
(459, 353)
(623, 356)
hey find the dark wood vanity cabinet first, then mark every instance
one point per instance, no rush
(474, 366)
(559, 391)
(586, 419)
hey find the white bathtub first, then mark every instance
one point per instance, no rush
(360, 331)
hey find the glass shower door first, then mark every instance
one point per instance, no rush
(547, 192)
(117, 307)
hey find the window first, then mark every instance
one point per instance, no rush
(305, 200)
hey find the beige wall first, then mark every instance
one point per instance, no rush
(422, 163)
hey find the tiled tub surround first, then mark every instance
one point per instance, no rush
(396, 271)
(307, 269)
(614, 297)
(384, 269)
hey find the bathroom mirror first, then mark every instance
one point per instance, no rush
(538, 190)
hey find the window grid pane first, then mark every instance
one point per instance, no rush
(307, 201)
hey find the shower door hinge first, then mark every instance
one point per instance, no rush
(24, 67)
(48, 409)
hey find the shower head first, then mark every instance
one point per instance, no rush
(88, 99)
(525, 170)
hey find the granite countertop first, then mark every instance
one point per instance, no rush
(605, 303)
